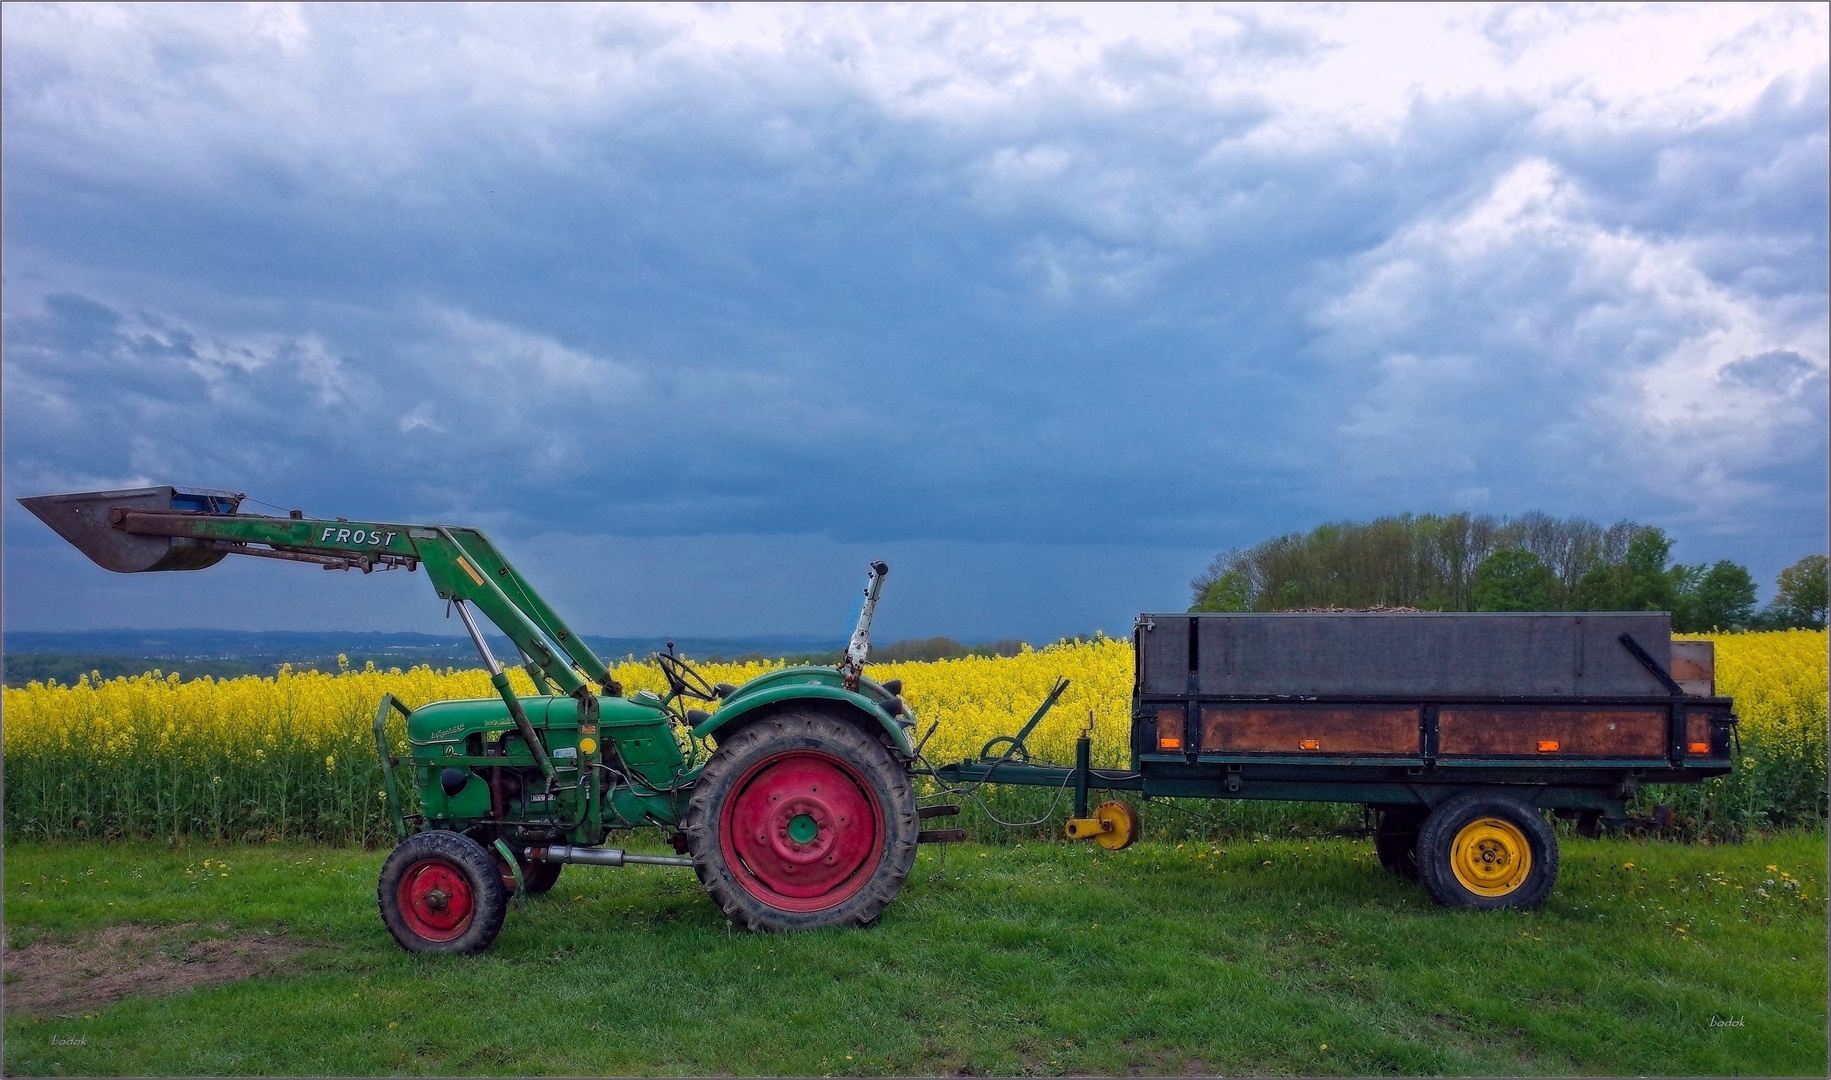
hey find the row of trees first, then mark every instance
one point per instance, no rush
(1535, 562)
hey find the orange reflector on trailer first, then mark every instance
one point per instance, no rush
(1547, 746)
(1167, 741)
(1309, 744)
(1699, 748)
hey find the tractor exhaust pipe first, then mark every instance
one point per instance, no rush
(602, 856)
(859, 648)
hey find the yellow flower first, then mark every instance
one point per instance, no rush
(205, 743)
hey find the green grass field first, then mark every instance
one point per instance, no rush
(1262, 957)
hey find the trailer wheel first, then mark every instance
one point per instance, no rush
(799, 821)
(440, 892)
(1395, 839)
(1484, 849)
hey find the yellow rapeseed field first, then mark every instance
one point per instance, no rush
(1778, 681)
(293, 756)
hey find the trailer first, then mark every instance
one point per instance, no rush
(1459, 731)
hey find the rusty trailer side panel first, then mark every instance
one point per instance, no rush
(1550, 731)
(1334, 729)
(1538, 732)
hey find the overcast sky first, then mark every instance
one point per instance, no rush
(697, 309)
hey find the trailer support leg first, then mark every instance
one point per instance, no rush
(1082, 752)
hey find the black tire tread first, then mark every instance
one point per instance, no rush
(540, 877)
(806, 730)
(478, 866)
(1449, 818)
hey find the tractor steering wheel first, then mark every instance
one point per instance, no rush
(683, 680)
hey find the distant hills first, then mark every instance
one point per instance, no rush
(64, 656)
(32, 656)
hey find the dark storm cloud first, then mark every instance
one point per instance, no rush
(1037, 288)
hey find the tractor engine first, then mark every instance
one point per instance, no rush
(629, 764)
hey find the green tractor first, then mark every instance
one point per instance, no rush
(801, 816)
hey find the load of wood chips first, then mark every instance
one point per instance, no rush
(1382, 609)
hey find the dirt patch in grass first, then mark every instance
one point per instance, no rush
(1163, 1062)
(67, 978)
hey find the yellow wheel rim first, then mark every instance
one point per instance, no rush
(1125, 824)
(1491, 857)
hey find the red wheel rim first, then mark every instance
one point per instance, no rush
(436, 900)
(802, 832)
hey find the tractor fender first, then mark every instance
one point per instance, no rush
(752, 702)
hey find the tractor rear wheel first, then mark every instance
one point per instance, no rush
(802, 820)
(540, 877)
(440, 892)
(536, 877)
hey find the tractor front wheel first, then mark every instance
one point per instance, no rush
(800, 821)
(440, 892)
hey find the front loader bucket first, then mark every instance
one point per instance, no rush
(82, 519)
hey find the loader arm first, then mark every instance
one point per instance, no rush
(116, 529)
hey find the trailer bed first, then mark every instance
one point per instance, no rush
(1419, 700)
(1424, 717)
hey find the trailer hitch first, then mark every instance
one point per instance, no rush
(1017, 749)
